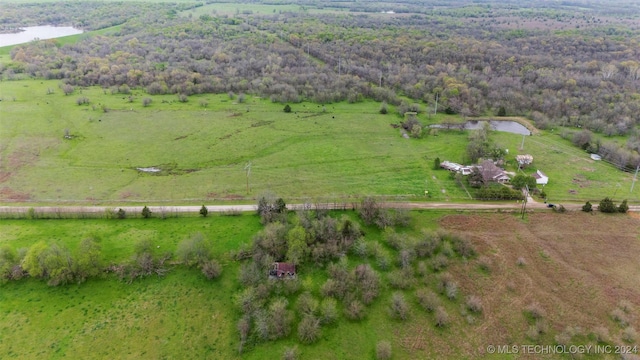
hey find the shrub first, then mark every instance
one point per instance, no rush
(204, 211)
(624, 207)
(309, 330)
(400, 279)
(307, 304)
(290, 353)
(355, 310)
(521, 261)
(427, 299)
(601, 334)
(463, 246)
(146, 102)
(451, 290)
(399, 307)
(535, 311)
(183, 98)
(607, 206)
(384, 108)
(146, 213)
(559, 208)
(281, 319)
(369, 210)
(287, 108)
(423, 270)
(446, 249)
(539, 328)
(121, 214)
(382, 261)
(328, 311)
(360, 248)
(439, 263)
(383, 350)
(474, 304)
(211, 269)
(587, 207)
(626, 306)
(441, 317)
(619, 316)
(427, 245)
(629, 334)
(484, 263)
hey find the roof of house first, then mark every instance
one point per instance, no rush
(539, 175)
(284, 267)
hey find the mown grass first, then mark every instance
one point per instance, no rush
(347, 150)
(335, 152)
(573, 175)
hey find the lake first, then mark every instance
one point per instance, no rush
(31, 33)
(497, 125)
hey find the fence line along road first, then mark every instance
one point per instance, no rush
(17, 210)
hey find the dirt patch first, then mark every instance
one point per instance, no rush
(262, 123)
(9, 194)
(4, 176)
(128, 195)
(233, 197)
(578, 268)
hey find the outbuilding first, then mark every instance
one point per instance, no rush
(541, 178)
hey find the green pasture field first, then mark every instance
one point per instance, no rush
(231, 9)
(179, 316)
(348, 150)
(332, 153)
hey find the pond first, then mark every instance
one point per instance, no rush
(497, 125)
(31, 33)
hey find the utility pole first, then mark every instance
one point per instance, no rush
(247, 169)
(635, 177)
(522, 145)
(524, 204)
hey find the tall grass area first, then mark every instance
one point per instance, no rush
(203, 147)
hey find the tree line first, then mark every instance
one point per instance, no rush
(585, 78)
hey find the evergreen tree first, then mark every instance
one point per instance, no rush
(204, 211)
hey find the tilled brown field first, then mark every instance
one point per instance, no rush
(576, 267)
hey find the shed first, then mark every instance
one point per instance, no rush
(282, 270)
(541, 178)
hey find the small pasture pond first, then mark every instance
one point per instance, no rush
(31, 33)
(497, 125)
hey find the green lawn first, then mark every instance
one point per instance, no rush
(573, 175)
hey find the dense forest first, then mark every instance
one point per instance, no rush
(571, 63)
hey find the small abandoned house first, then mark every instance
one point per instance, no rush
(280, 270)
(455, 167)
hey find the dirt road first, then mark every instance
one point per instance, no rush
(225, 208)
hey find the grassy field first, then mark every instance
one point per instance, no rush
(348, 150)
(204, 145)
(573, 175)
(577, 267)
